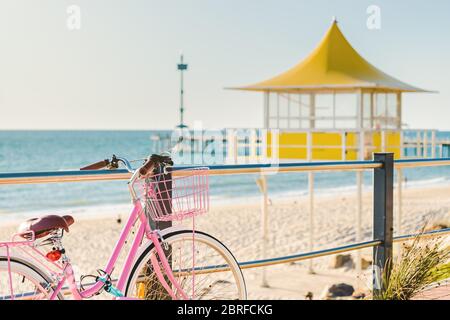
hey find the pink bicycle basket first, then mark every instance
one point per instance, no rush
(176, 196)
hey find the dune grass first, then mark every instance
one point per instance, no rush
(423, 262)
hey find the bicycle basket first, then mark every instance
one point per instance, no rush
(176, 196)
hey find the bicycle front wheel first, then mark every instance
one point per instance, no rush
(202, 265)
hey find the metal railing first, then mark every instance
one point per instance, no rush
(382, 165)
(120, 174)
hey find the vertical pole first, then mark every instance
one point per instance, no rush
(399, 111)
(311, 200)
(372, 110)
(386, 113)
(229, 146)
(278, 111)
(300, 111)
(262, 184)
(433, 144)
(359, 182)
(344, 145)
(359, 109)
(359, 179)
(425, 144)
(181, 96)
(311, 218)
(309, 146)
(288, 95)
(402, 140)
(312, 111)
(235, 147)
(383, 141)
(253, 146)
(383, 221)
(361, 147)
(419, 154)
(266, 110)
(232, 146)
(399, 200)
(334, 109)
(275, 146)
(182, 67)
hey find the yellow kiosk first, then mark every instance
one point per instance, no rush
(333, 105)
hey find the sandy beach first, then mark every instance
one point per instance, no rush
(91, 239)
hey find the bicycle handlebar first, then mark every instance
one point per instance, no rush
(125, 162)
(97, 165)
(147, 167)
(153, 161)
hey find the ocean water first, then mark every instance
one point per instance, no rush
(61, 150)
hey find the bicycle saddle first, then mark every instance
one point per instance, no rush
(46, 224)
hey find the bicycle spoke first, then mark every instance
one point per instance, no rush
(194, 276)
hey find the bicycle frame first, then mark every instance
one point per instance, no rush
(65, 273)
(144, 230)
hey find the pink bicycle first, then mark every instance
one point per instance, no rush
(173, 263)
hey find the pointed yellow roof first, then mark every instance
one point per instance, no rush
(334, 64)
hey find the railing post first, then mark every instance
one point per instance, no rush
(383, 221)
(399, 205)
(433, 144)
(311, 200)
(311, 219)
(262, 184)
(419, 145)
(425, 144)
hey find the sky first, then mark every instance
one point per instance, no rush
(118, 71)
